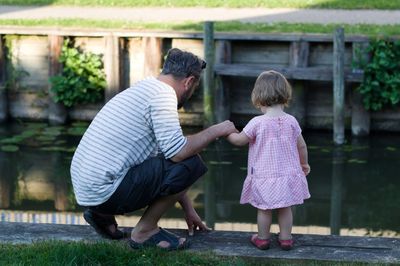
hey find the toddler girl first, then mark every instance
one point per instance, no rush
(277, 160)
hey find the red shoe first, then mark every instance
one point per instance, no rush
(286, 244)
(260, 243)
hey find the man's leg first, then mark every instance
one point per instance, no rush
(148, 223)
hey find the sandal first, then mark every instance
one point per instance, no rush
(162, 235)
(101, 224)
(286, 244)
(260, 243)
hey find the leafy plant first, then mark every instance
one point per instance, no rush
(381, 84)
(82, 79)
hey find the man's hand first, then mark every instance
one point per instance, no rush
(225, 128)
(194, 222)
(192, 218)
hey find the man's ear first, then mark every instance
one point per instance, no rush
(189, 82)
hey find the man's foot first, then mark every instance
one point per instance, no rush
(260, 243)
(105, 225)
(161, 238)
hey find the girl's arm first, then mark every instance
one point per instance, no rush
(302, 149)
(238, 139)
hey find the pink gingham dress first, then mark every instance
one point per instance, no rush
(274, 175)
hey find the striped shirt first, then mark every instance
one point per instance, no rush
(138, 123)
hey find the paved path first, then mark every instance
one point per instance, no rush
(227, 243)
(202, 14)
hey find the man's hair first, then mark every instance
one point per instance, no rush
(181, 64)
(271, 88)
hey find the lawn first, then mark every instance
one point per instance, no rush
(361, 29)
(338, 4)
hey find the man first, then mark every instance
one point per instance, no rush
(134, 155)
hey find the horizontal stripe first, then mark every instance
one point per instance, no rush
(133, 126)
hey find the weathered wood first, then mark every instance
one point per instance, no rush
(57, 111)
(223, 54)
(275, 53)
(175, 34)
(227, 243)
(112, 66)
(299, 52)
(360, 117)
(152, 47)
(3, 92)
(338, 86)
(209, 81)
(321, 73)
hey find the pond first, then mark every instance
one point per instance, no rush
(354, 188)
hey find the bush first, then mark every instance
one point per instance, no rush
(82, 79)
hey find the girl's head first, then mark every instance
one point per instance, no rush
(271, 88)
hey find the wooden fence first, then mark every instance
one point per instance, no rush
(314, 65)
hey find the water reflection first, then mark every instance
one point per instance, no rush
(354, 188)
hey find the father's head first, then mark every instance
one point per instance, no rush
(186, 68)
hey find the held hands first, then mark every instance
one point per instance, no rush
(225, 128)
(194, 222)
(306, 168)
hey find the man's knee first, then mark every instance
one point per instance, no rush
(180, 176)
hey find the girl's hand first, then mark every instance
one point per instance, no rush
(306, 168)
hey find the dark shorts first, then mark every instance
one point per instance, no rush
(152, 179)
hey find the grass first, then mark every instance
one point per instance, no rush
(118, 253)
(339, 4)
(361, 29)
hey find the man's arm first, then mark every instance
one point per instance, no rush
(195, 143)
(193, 220)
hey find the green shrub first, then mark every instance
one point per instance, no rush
(82, 79)
(381, 84)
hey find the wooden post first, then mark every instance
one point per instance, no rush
(222, 97)
(112, 66)
(338, 86)
(360, 117)
(3, 92)
(209, 81)
(299, 52)
(57, 111)
(152, 48)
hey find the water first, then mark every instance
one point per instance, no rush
(354, 188)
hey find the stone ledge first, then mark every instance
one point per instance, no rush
(227, 243)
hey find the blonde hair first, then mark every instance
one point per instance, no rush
(271, 88)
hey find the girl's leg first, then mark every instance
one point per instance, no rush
(264, 220)
(285, 219)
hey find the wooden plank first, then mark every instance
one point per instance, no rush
(3, 92)
(321, 54)
(111, 66)
(152, 47)
(93, 32)
(299, 53)
(321, 73)
(250, 52)
(360, 117)
(57, 111)
(338, 86)
(223, 54)
(194, 46)
(209, 81)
